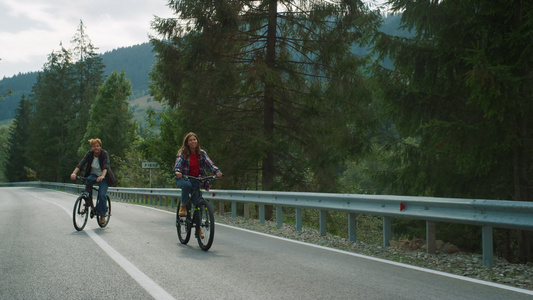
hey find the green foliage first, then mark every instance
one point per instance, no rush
(460, 96)
(54, 98)
(110, 118)
(131, 174)
(14, 158)
(163, 148)
(4, 134)
(460, 89)
(135, 60)
(63, 96)
(285, 95)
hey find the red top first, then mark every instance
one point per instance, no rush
(194, 167)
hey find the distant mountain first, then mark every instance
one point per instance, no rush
(136, 61)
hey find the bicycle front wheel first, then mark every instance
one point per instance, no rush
(206, 226)
(183, 225)
(107, 213)
(80, 213)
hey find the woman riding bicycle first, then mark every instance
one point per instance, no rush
(193, 161)
(99, 170)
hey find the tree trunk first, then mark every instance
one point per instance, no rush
(268, 161)
(522, 190)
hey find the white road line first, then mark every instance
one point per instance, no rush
(146, 282)
(487, 283)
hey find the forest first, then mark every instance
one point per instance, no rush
(135, 61)
(307, 96)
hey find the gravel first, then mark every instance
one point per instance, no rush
(458, 263)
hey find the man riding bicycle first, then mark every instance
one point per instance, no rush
(98, 169)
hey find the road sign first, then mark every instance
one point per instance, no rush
(150, 165)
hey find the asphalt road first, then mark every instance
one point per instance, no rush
(138, 256)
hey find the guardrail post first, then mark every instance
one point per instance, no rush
(322, 221)
(246, 211)
(233, 209)
(387, 231)
(221, 208)
(299, 219)
(430, 237)
(279, 216)
(352, 227)
(261, 213)
(487, 241)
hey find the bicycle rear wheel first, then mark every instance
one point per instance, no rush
(206, 225)
(183, 225)
(107, 212)
(80, 213)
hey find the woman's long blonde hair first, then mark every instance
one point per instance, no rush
(185, 150)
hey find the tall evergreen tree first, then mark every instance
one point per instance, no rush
(64, 93)
(54, 97)
(15, 154)
(460, 95)
(88, 75)
(4, 134)
(110, 118)
(271, 85)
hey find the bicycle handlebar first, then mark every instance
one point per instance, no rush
(186, 177)
(85, 178)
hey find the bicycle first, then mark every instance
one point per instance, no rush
(200, 216)
(83, 208)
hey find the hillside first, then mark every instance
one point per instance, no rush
(136, 61)
(140, 105)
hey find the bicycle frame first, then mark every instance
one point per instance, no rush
(85, 207)
(199, 216)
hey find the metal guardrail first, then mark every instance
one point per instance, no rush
(488, 214)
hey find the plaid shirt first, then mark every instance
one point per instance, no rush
(182, 166)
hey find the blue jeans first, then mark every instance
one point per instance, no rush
(187, 187)
(102, 192)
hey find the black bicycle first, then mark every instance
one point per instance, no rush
(200, 216)
(83, 208)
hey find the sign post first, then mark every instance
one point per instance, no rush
(150, 165)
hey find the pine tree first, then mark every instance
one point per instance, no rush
(110, 118)
(460, 95)
(88, 75)
(4, 134)
(54, 96)
(272, 85)
(16, 163)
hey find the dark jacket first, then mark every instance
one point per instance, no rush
(103, 159)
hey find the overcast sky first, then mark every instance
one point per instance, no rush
(31, 29)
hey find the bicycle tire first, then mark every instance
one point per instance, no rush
(183, 225)
(107, 213)
(206, 222)
(80, 213)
